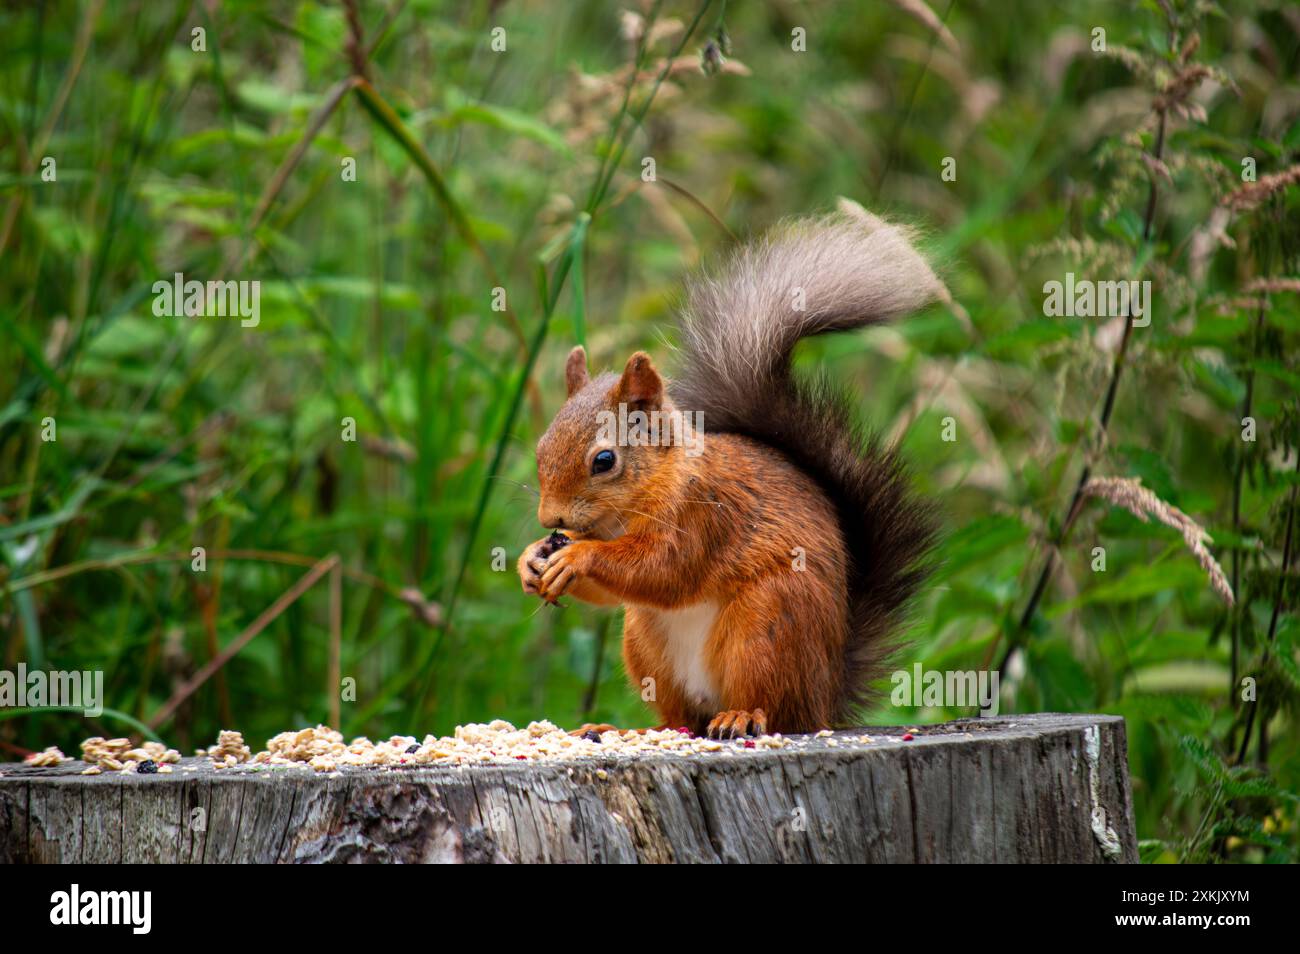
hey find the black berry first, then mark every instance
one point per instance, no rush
(591, 735)
(412, 748)
(556, 541)
(147, 767)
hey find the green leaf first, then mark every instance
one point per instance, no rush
(1209, 765)
(977, 541)
(1138, 583)
(1065, 685)
(1279, 371)
(269, 98)
(1030, 336)
(33, 352)
(509, 120)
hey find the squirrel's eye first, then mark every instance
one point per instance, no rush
(602, 462)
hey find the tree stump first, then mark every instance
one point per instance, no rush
(1030, 788)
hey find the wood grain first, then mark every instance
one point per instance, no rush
(1033, 788)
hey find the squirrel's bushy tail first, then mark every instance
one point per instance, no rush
(739, 328)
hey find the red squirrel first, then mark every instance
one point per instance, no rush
(766, 553)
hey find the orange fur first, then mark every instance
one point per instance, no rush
(675, 531)
(766, 578)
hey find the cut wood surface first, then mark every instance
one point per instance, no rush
(1027, 788)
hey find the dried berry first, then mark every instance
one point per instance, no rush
(556, 541)
(147, 767)
(749, 743)
(907, 737)
(591, 735)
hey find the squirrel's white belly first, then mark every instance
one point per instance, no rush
(686, 632)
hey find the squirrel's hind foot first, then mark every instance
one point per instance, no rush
(735, 723)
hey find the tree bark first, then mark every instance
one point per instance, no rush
(1030, 788)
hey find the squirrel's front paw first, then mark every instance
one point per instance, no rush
(532, 563)
(562, 568)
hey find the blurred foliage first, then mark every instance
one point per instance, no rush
(521, 169)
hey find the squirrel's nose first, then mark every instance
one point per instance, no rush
(551, 520)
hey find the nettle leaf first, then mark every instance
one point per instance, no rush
(1167, 646)
(1069, 430)
(1208, 764)
(1257, 787)
(1292, 138)
(1022, 341)
(1278, 371)
(958, 600)
(1288, 635)
(1152, 851)
(1153, 468)
(1285, 664)
(1167, 710)
(1061, 679)
(964, 654)
(1211, 330)
(1139, 583)
(1219, 382)
(327, 28)
(977, 541)
(1283, 318)
(1127, 225)
(1260, 144)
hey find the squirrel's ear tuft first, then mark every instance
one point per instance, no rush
(640, 384)
(575, 370)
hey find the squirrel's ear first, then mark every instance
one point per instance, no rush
(640, 384)
(575, 370)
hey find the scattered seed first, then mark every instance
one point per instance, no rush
(51, 756)
(324, 750)
(115, 754)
